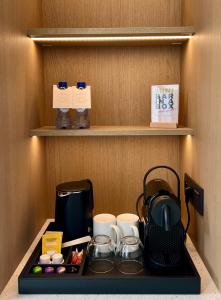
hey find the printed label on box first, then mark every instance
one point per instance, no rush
(51, 241)
(62, 98)
(81, 97)
(165, 103)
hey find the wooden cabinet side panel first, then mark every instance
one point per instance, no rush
(22, 159)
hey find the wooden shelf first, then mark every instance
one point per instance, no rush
(110, 131)
(125, 36)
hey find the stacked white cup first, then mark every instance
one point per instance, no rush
(116, 227)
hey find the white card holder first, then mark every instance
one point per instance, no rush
(81, 97)
(62, 98)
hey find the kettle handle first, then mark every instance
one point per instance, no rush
(161, 167)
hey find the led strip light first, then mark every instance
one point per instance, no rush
(111, 38)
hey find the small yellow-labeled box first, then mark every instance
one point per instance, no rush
(51, 241)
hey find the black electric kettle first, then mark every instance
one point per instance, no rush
(164, 233)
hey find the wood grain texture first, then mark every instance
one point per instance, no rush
(201, 75)
(111, 131)
(121, 78)
(115, 165)
(111, 13)
(22, 159)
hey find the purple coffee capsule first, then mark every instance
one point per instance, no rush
(49, 270)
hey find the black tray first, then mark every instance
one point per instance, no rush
(182, 280)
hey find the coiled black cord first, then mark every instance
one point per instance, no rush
(137, 205)
(188, 193)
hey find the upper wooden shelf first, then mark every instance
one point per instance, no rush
(125, 36)
(111, 131)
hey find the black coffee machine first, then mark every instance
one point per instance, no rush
(164, 234)
(74, 209)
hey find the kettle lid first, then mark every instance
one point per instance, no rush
(75, 186)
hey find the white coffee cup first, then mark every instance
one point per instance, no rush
(116, 228)
(128, 224)
(105, 224)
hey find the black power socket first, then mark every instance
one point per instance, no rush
(194, 194)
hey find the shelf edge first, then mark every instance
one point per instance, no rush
(111, 131)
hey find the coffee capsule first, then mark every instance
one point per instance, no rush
(37, 270)
(61, 270)
(49, 270)
(72, 269)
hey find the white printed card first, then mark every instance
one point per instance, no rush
(81, 97)
(165, 103)
(62, 98)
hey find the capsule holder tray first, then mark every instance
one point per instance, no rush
(182, 280)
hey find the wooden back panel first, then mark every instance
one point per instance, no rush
(111, 13)
(116, 166)
(121, 78)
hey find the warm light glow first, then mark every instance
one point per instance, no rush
(37, 148)
(111, 38)
(187, 152)
(188, 142)
(35, 141)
